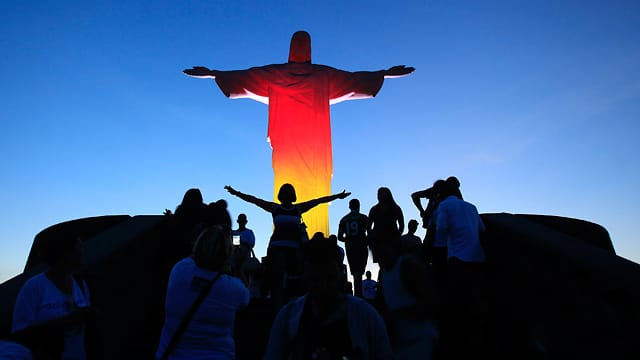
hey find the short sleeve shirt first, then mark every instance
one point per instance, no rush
(40, 300)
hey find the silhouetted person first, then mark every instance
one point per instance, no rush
(326, 323)
(187, 221)
(299, 94)
(434, 250)
(216, 213)
(386, 222)
(348, 287)
(283, 253)
(334, 238)
(411, 243)
(244, 249)
(192, 205)
(353, 232)
(454, 185)
(369, 287)
(56, 299)
(459, 224)
(408, 299)
(433, 197)
(208, 334)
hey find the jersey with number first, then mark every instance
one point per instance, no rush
(354, 227)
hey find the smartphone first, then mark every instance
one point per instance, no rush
(236, 239)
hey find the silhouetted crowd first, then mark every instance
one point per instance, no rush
(428, 301)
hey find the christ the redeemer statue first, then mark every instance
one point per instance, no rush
(299, 94)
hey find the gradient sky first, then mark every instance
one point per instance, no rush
(533, 105)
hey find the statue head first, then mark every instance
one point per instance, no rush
(300, 49)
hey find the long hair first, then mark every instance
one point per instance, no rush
(192, 204)
(385, 198)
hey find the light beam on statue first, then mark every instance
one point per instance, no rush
(299, 94)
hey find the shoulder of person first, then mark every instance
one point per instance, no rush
(184, 265)
(360, 303)
(34, 285)
(360, 307)
(36, 280)
(447, 202)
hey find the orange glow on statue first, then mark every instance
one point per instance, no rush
(299, 94)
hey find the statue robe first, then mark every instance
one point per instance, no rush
(299, 95)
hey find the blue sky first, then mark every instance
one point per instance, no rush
(534, 105)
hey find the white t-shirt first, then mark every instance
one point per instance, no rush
(40, 300)
(459, 223)
(209, 334)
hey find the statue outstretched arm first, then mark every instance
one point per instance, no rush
(201, 72)
(398, 71)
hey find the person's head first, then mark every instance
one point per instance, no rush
(192, 203)
(354, 205)
(242, 220)
(213, 248)
(368, 274)
(384, 195)
(63, 253)
(454, 184)
(216, 213)
(412, 226)
(451, 187)
(300, 48)
(287, 194)
(322, 271)
(192, 198)
(439, 188)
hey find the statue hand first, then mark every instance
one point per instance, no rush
(200, 72)
(343, 194)
(398, 71)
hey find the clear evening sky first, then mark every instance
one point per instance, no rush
(533, 105)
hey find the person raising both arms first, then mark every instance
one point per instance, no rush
(283, 253)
